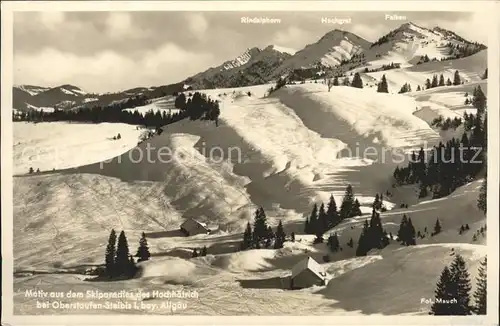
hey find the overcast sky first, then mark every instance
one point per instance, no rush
(112, 51)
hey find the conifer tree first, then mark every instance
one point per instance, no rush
(382, 86)
(180, 101)
(346, 81)
(110, 255)
(437, 227)
(402, 232)
(356, 81)
(247, 237)
(418, 88)
(333, 242)
(195, 253)
(377, 205)
(423, 190)
(428, 83)
(356, 209)
(441, 80)
(479, 100)
(336, 81)
(313, 220)
(481, 289)
(143, 250)
(122, 261)
(204, 251)
(307, 228)
(131, 267)
(322, 219)
(260, 227)
(448, 82)
(332, 213)
(456, 78)
(280, 236)
(347, 203)
(410, 233)
(434, 81)
(363, 246)
(443, 295)
(461, 286)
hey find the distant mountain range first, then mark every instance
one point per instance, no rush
(334, 53)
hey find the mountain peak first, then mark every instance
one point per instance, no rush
(281, 49)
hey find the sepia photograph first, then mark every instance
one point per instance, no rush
(259, 162)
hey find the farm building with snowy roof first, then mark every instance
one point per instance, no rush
(193, 227)
(307, 273)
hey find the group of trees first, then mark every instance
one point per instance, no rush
(480, 232)
(198, 107)
(390, 66)
(449, 167)
(118, 261)
(97, 114)
(323, 219)
(463, 228)
(333, 242)
(262, 235)
(453, 290)
(406, 233)
(453, 164)
(448, 123)
(372, 236)
(200, 252)
(424, 58)
(457, 51)
(282, 81)
(405, 88)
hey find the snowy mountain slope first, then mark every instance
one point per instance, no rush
(358, 117)
(409, 42)
(284, 49)
(284, 152)
(162, 104)
(256, 275)
(26, 97)
(62, 145)
(286, 157)
(471, 70)
(31, 89)
(333, 48)
(252, 67)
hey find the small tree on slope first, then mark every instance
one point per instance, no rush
(110, 254)
(143, 250)
(456, 78)
(382, 86)
(356, 81)
(480, 293)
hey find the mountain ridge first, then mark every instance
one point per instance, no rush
(336, 52)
